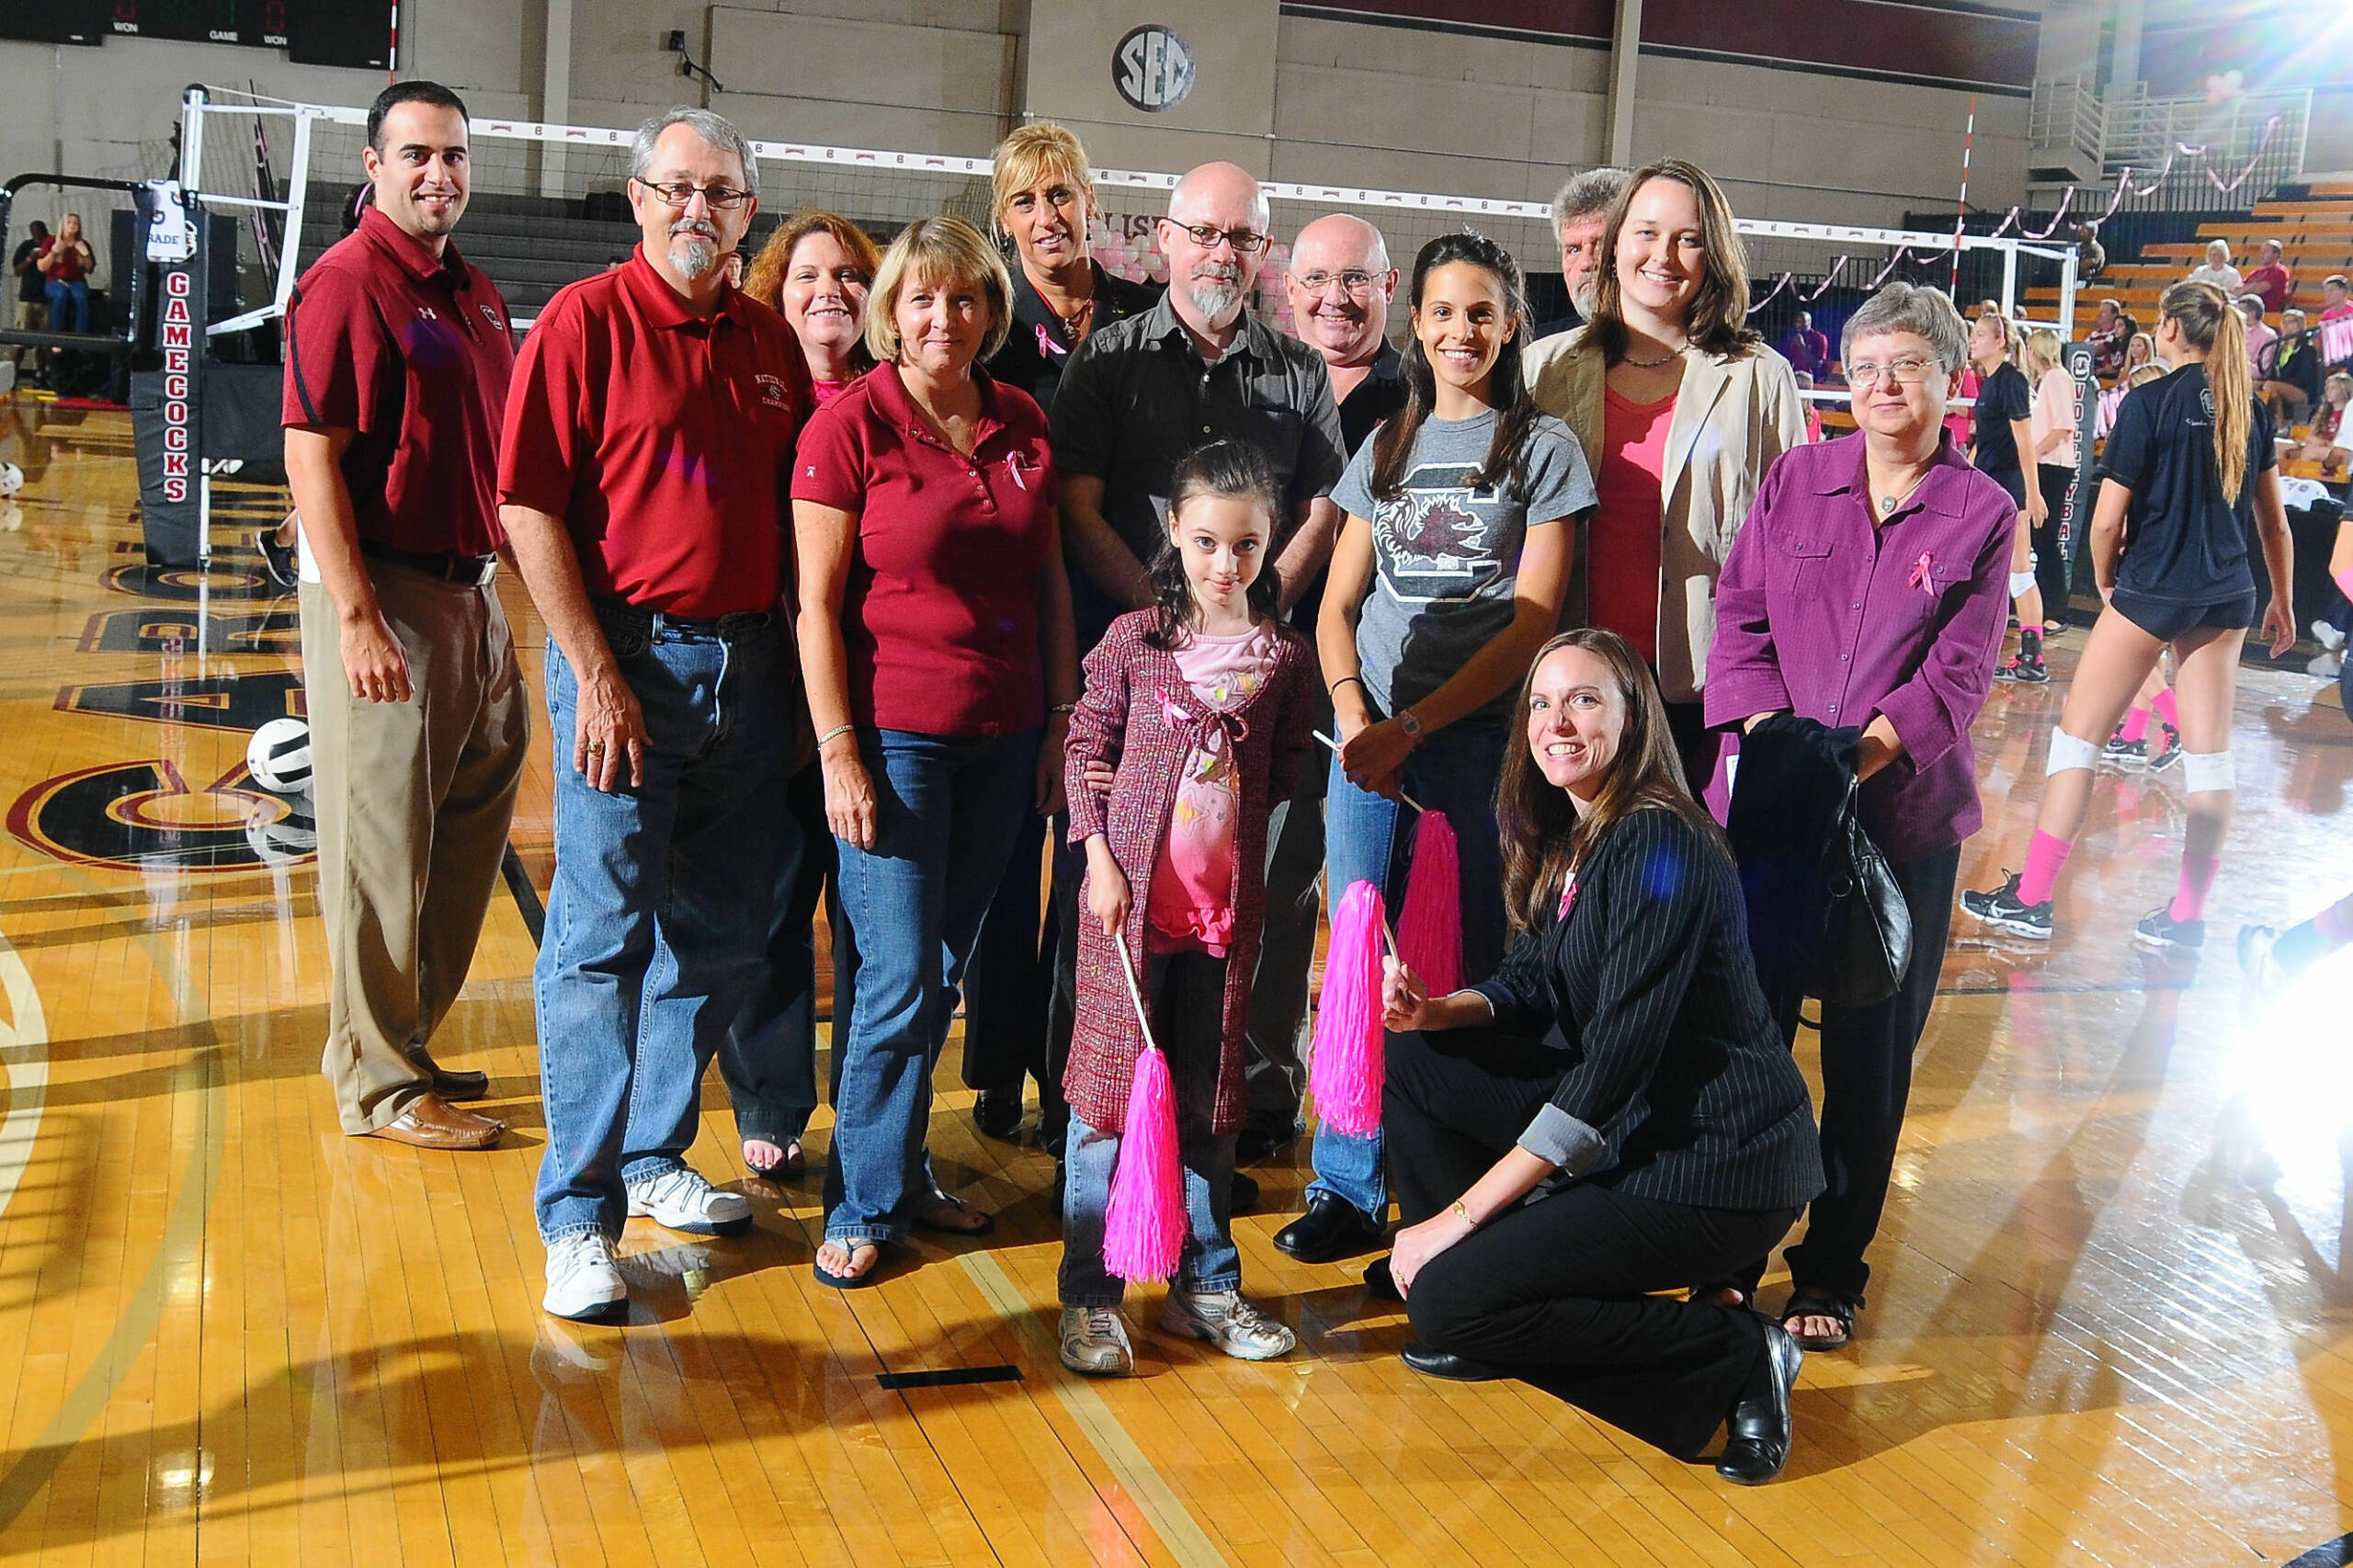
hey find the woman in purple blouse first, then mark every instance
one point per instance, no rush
(1870, 589)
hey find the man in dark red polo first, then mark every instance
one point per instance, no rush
(397, 357)
(644, 478)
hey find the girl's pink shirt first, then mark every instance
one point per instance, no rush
(1192, 889)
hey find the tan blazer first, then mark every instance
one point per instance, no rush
(1733, 416)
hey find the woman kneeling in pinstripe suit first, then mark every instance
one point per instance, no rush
(1614, 1113)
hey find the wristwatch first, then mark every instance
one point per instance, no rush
(1412, 726)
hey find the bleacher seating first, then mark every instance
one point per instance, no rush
(2315, 234)
(531, 245)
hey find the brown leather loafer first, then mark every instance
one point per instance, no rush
(460, 1086)
(432, 1122)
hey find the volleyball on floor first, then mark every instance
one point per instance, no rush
(12, 479)
(278, 756)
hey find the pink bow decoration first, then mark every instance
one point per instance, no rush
(1920, 578)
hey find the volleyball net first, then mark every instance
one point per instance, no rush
(285, 171)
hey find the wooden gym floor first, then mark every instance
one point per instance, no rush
(2110, 1322)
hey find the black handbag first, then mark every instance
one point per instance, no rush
(1867, 932)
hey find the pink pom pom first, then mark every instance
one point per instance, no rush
(1429, 929)
(1143, 1224)
(1351, 1054)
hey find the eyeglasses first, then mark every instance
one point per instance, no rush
(1355, 282)
(1246, 242)
(1909, 370)
(721, 197)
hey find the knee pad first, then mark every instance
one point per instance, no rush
(2067, 752)
(2205, 771)
(2022, 581)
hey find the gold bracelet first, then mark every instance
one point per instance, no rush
(834, 734)
(1464, 1214)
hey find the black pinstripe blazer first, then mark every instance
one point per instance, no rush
(1678, 1087)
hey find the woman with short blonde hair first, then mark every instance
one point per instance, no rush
(2051, 422)
(938, 655)
(1042, 200)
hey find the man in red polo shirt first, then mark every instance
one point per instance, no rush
(397, 356)
(644, 476)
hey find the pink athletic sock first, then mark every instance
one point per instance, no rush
(2197, 880)
(2045, 860)
(2136, 724)
(2166, 710)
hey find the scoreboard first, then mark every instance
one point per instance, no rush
(313, 32)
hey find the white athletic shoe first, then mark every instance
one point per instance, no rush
(679, 1200)
(1095, 1341)
(2326, 666)
(1227, 1320)
(2328, 637)
(582, 1281)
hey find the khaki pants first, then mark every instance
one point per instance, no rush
(32, 316)
(414, 802)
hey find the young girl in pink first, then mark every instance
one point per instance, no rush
(1198, 708)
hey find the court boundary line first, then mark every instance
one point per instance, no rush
(1160, 1503)
(24, 1050)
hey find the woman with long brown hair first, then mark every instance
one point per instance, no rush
(1622, 1067)
(2188, 476)
(1680, 408)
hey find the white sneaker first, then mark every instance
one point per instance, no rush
(2328, 637)
(2326, 666)
(1227, 1320)
(679, 1200)
(1095, 1341)
(582, 1281)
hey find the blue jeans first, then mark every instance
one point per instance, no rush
(69, 305)
(658, 917)
(946, 810)
(1368, 838)
(1188, 992)
(769, 1059)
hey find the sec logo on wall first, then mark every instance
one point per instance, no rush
(1152, 68)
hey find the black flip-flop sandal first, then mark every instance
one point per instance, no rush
(927, 1218)
(792, 1167)
(873, 1274)
(1808, 1301)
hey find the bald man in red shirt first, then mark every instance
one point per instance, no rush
(397, 358)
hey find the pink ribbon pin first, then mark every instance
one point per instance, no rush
(1920, 578)
(1568, 898)
(1046, 344)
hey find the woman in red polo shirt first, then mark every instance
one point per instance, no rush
(816, 271)
(936, 643)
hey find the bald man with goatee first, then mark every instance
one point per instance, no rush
(1198, 367)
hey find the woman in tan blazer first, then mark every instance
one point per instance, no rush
(1681, 409)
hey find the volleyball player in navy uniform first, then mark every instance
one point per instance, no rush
(2188, 476)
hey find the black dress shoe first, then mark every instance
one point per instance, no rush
(1242, 1198)
(997, 1113)
(1262, 1141)
(461, 1086)
(1454, 1368)
(1379, 1283)
(1758, 1430)
(1333, 1228)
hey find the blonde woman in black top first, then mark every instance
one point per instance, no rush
(1621, 1065)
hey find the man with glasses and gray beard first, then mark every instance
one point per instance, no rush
(1141, 393)
(643, 479)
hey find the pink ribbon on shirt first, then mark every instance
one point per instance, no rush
(1207, 726)
(1568, 898)
(1920, 578)
(1046, 344)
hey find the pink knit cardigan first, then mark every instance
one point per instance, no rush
(1141, 716)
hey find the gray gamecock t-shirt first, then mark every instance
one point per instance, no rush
(1446, 557)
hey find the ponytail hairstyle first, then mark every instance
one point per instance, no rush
(2210, 323)
(1235, 470)
(1516, 411)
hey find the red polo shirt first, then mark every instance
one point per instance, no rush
(412, 351)
(940, 617)
(663, 440)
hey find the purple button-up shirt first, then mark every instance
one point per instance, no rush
(1821, 613)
